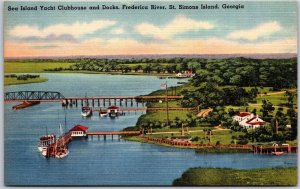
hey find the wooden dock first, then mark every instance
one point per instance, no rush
(114, 100)
(112, 134)
(269, 149)
(67, 138)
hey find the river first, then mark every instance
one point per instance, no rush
(99, 162)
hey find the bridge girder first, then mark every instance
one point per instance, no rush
(33, 95)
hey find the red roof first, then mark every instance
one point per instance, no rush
(113, 107)
(243, 114)
(256, 122)
(79, 128)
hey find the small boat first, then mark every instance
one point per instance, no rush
(61, 151)
(86, 111)
(46, 141)
(277, 153)
(103, 113)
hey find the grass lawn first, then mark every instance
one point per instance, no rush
(275, 99)
(223, 136)
(154, 116)
(14, 81)
(254, 106)
(32, 67)
(235, 177)
(278, 100)
(171, 104)
(186, 86)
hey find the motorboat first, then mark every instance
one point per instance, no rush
(86, 111)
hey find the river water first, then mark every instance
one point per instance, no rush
(99, 162)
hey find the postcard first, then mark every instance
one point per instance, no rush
(150, 93)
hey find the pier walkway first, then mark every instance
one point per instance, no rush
(67, 138)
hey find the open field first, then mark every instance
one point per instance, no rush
(162, 116)
(235, 177)
(223, 136)
(276, 98)
(32, 67)
(14, 81)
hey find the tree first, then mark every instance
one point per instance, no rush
(292, 114)
(267, 107)
(290, 98)
(236, 80)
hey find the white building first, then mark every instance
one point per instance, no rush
(248, 120)
(79, 131)
(185, 74)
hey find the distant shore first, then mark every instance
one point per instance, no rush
(14, 81)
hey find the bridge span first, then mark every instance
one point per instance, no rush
(34, 97)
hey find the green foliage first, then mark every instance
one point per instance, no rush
(235, 177)
(267, 107)
(221, 150)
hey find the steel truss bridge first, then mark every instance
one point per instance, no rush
(41, 96)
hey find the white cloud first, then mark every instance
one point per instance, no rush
(118, 31)
(76, 29)
(261, 30)
(119, 46)
(179, 24)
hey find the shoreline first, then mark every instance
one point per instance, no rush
(22, 82)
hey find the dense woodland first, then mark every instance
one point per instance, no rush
(276, 73)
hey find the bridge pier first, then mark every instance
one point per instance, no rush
(93, 102)
(109, 103)
(76, 104)
(98, 102)
(115, 102)
(104, 102)
(104, 137)
(81, 103)
(126, 102)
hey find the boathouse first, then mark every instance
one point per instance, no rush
(113, 109)
(79, 131)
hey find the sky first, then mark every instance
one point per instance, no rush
(261, 27)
